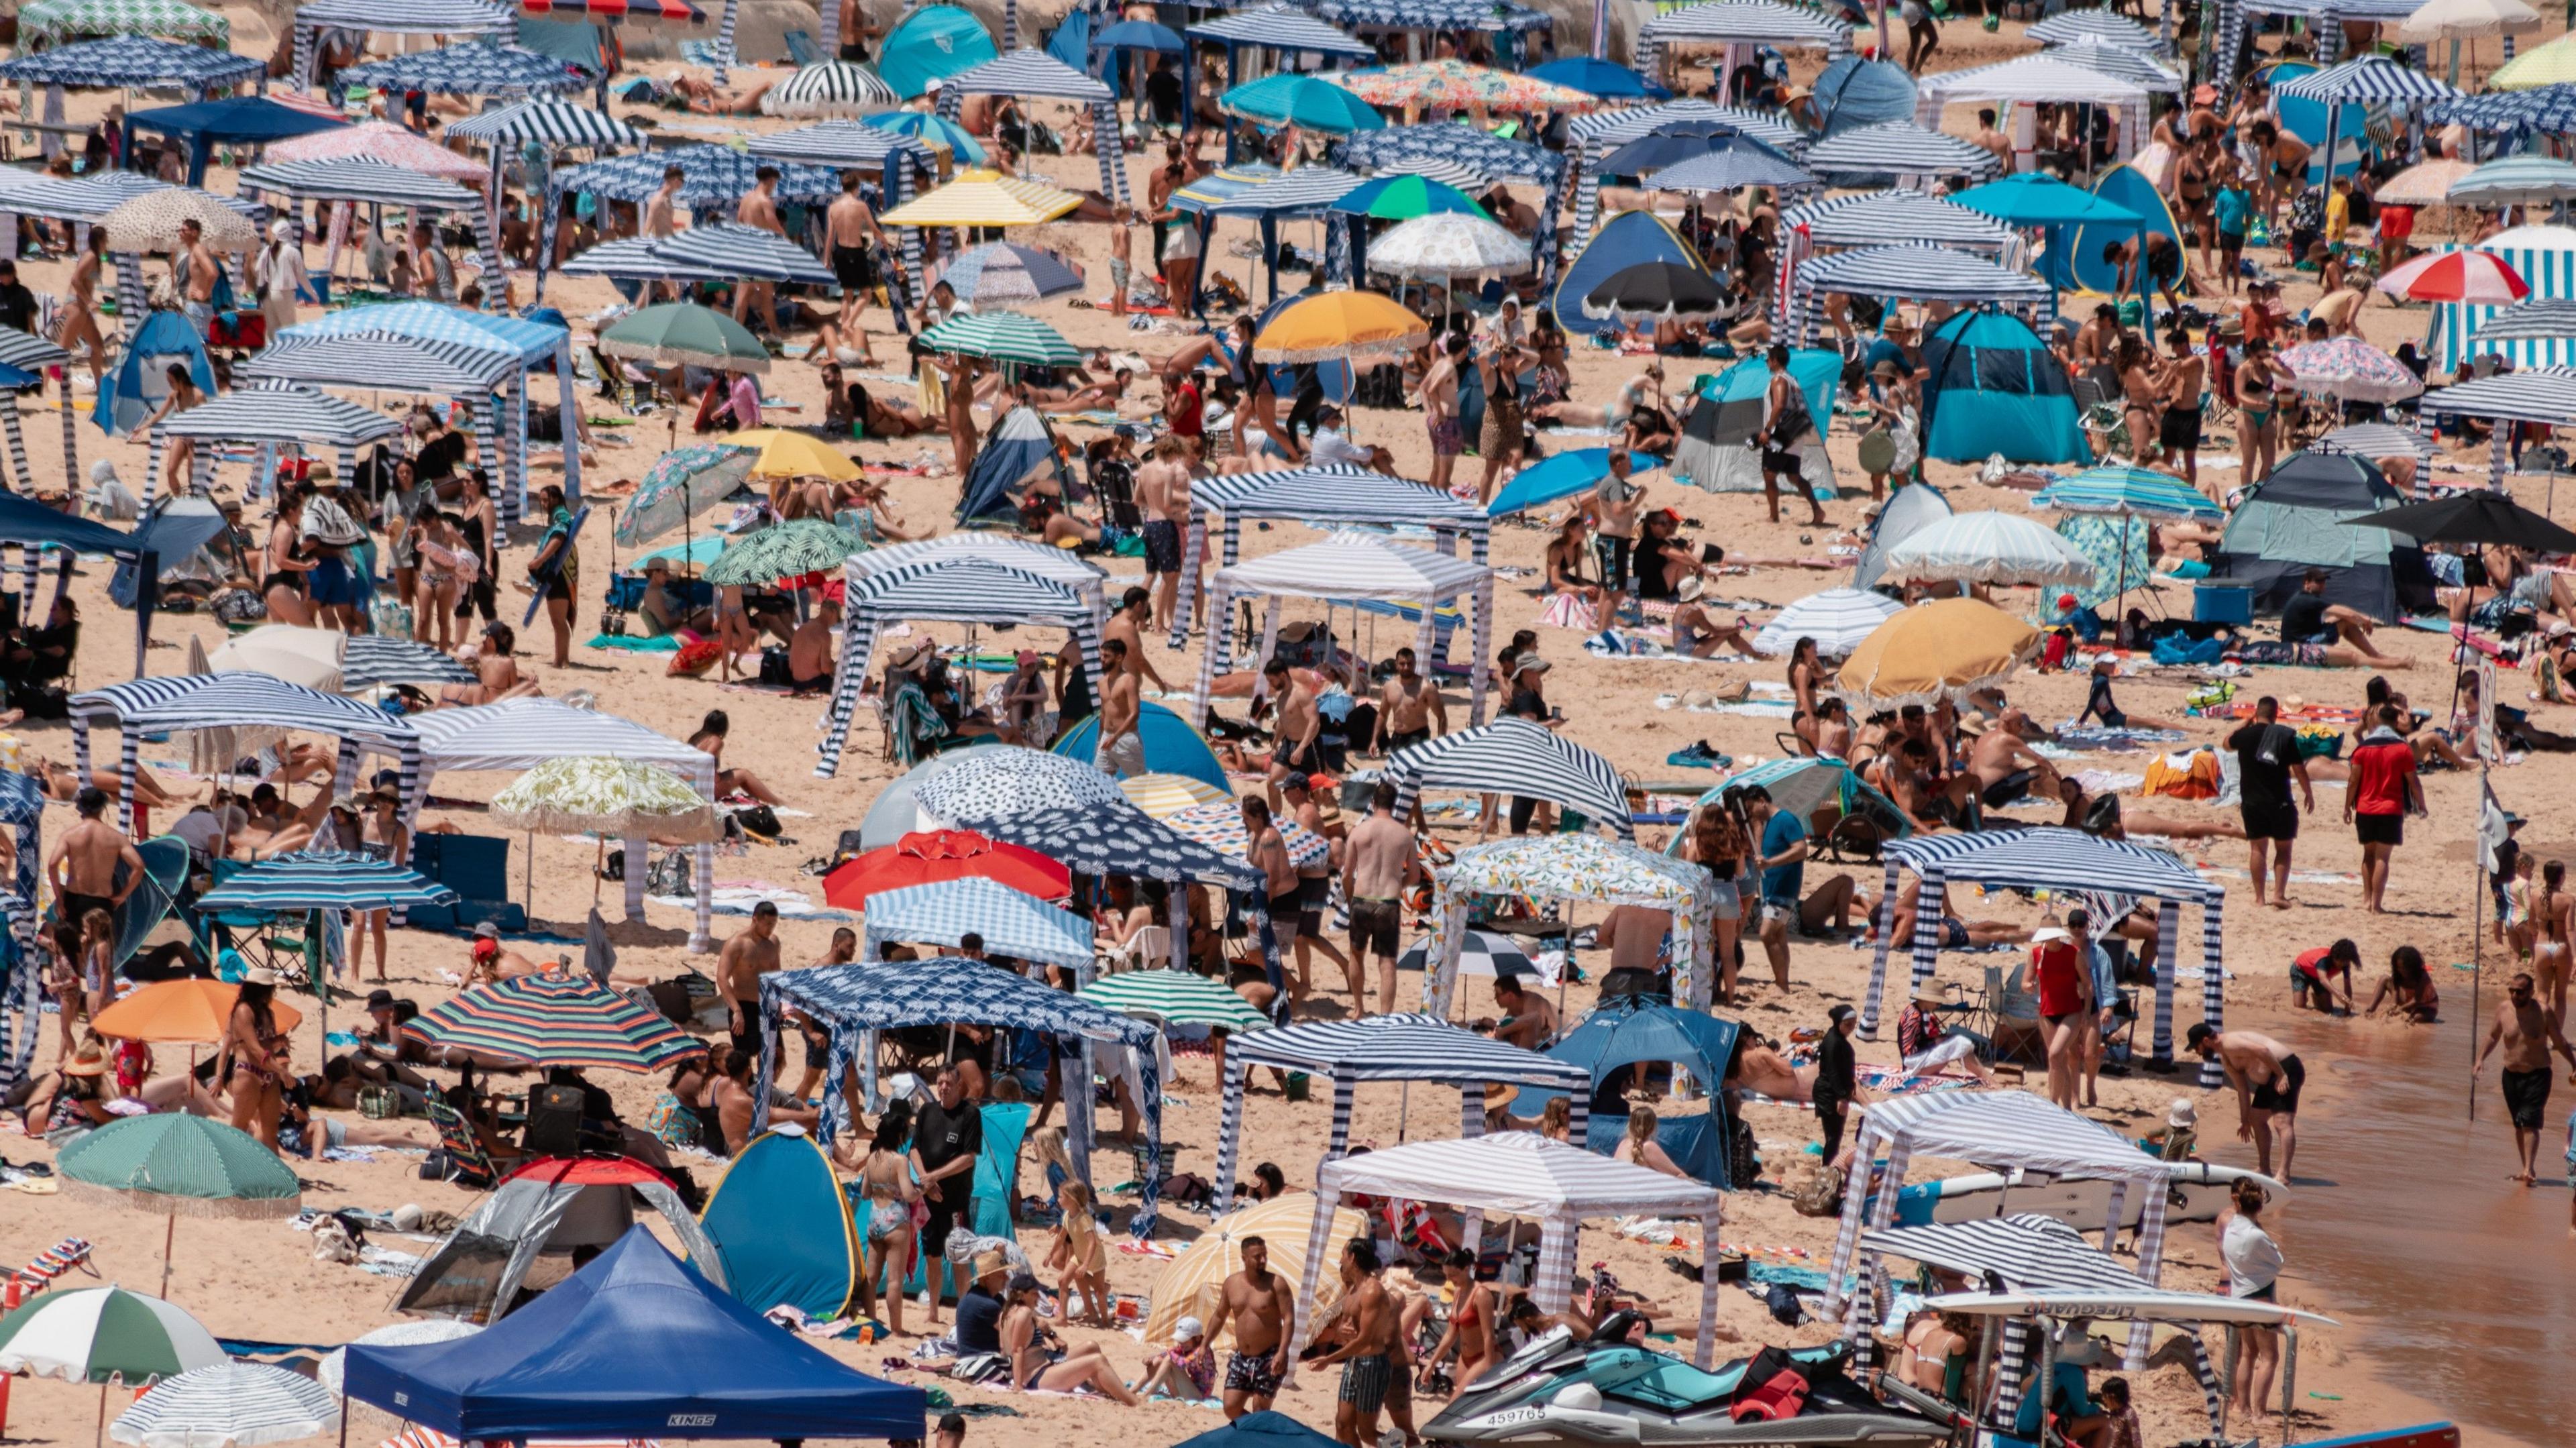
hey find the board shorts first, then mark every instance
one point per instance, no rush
(2526, 1098)
(1249, 1373)
(2269, 821)
(2275, 651)
(1314, 893)
(2281, 1093)
(1365, 1381)
(332, 584)
(1406, 739)
(1448, 439)
(1783, 460)
(2379, 829)
(854, 268)
(1162, 546)
(1376, 926)
(2009, 788)
(1122, 755)
(2180, 428)
(1612, 555)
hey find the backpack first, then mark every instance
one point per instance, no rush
(669, 875)
(1790, 423)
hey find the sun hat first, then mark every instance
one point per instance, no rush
(991, 1264)
(1929, 994)
(1688, 589)
(2182, 1115)
(259, 975)
(89, 1060)
(2047, 934)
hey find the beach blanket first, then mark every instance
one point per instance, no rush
(2103, 736)
(666, 644)
(742, 896)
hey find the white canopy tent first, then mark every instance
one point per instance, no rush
(2027, 81)
(1522, 1174)
(1350, 566)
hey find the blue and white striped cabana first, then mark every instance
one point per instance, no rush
(231, 701)
(1027, 72)
(1514, 756)
(1331, 493)
(1917, 272)
(1895, 218)
(1900, 148)
(360, 18)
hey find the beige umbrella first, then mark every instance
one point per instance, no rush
(2426, 183)
(150, 222)
(307, 656)
(2458, 20)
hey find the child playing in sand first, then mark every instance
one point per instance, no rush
(1079, 1256)
(1185, 1370)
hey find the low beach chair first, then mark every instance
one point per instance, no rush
(468, 1162)
(53, 1262)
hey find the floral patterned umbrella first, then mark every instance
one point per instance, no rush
(1449, 244)
(1001, 781)
(787, 550)
(684, 483)
(1457, 85)
(593, 795)
(2350, 369)
(1583, 867)
(379, 141)
(1220, 827)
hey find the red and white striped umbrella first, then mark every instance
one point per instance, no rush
(2480, 278)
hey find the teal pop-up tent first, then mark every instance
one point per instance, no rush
(1996, 388)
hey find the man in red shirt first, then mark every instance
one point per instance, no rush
(2382, 791)
(2065, 1008)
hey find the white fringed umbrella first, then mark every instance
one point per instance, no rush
(1449, 244)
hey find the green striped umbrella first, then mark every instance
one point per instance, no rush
(177, 1165)
(1176, 997)
(788, 550)
(555, 1019)
(102, 1335)
(1003, 337)
(684, 332)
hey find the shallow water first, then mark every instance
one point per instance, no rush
(2401, 1220)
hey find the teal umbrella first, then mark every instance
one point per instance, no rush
(2117, 546)
(1402, 198)
(923, 126)
(2114, 488)
(1288, 99)
(789, 550)
(685, 334)
(1002, 337)
(686, 482)
(177, 1163)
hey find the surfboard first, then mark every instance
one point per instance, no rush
(545, 578)
(2197, 1195)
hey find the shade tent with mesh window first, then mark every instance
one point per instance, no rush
(2108, 877)
(1521, 1174)
(2001, 1131)
(1351, 567)
(1325, 492)
(1400, 1047)
(950, 589)
(519, 734)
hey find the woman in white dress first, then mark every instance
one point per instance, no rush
(279, 274)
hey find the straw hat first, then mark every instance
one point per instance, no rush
(90, 1060)
(1498, 1093)
(1929, 994)
(991, 1264)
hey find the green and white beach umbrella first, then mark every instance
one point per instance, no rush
(677, 333)
(1176, 998)
(229, 1405)
(590, 794)
(103, 1335)
(179, 1165)
(1003, 337)
(785, 550)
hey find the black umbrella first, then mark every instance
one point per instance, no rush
(1653, 289)
(2482, 517)
(1666, 145)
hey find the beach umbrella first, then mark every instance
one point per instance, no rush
(999, 781)
(2114, 488)
(2514, 181)
(1165, 795)
(1485, 952)
(1001, 271)
(2376, 440)
(931, 129)
(1449, 244)
(1304, 101)
(830, 88)
(1934, 651)
(171, 1012)
(1002, 337)
(2551, 64)
(1667, 145)
(778, 453)
(1987, 547)
(307, 656)
(1190, 1283)
(104, 1335)
(1402, 197)
(678, 334)
(589, 794)
(228, 1405)
(1598, 78)
(334, 1367)
(2542, 108)
(2479, 278)
(1576, 470)
(2472, 518)
(2534, 319)
(372, 659)
(2458, 20)
(928, 856)
(681, 484)
(1653, 289)
(1453, 84)
(984, 198)
(1732, 163)
(1438, 168)
(1220, 828)
(1838, 619)
(2426, 183)
(177, 1164)
(2351, 370)
(1334, 325)
(1176, 998)
(151, 222)
(379, 141)
(326, 880)
(554, 1019)
(794, 549)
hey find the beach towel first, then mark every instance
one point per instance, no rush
(997, 1166)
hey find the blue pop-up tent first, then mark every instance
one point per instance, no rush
(635, 1345)
(1171, 746)
(1633, 1029)
(933, 43)
(1996, 388)
(141, 381)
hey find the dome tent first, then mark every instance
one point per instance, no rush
(781, 1227)
(1995, 388)
(525, 1233)
(1854, 92)
(1716, 451)
(2293, 521)
(933, 43)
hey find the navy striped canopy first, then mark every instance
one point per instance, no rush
(1900, 148)
(840, 143)
(1922, 272)
(404, 364)
(886, 995)
(1308, 189)
(1337, 492)
(2370, 78)
(326, 880)
(2544, 395)
(131, 61)
(1881, 218)
(357, 178)
(218, 701)
(2542, 108)
(1605, 129)
(88, 198)
(372, 659)
(1405, 1047)
(548, 123)
(411, 17)
(2025, 1252)
(2054, 858)
(640, 258)
(280, 412)
(1026, 73)
(469, 68)
(1284, 27)
(713, 177)
(1515, 756)
(1487, 15)
(730, 249)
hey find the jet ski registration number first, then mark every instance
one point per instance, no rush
(1510, 1416)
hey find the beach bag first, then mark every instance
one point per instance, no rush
(669, 875)
(1877, 451)
(1819, 1194)
(694, 658)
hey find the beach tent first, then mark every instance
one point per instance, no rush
(1853, 92)
(1514, 756)
(2293, 520)
(1631, 1029)
(1019, 450)
(1331, 492)
(1171, 746)
(1626, 239)
(1026, 555)
(1915, 506)
(1812, 790)
(636, 1345)
(1716, 451)
(1996, 388)
(933, 43)
(780, 1228)
(2073, 260)
(141, 381)
(522, 1236)
(242, 121)
(2545, 257)
(1353, 567)
(1569, 869)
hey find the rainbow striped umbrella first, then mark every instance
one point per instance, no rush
(555, 1019)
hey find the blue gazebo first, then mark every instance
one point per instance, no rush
(243, 121)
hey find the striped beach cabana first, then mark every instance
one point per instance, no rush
(1919, 272)
(1349, 567)
(360, 18)
(1028, 73)
(1517, 757)
(1592, 137)
(1326, 492)
(274, 416)
(731, 249)
(2531, 333)
(1885, 218)
(715, 179)
(221, 701)
(1900, 148)
(1738, 22)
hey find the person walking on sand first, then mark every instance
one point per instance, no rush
(2267, 757)
(2253, 1271)
(1262, 1308)
(1367, 1357)
(1377, 864)
(2528, 1031)
(1120, 750)
(2268, 1077)
(83, 867)
(2065, 1009)
(2383, 788)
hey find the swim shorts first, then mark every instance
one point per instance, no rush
(2009, 788)
(2526, 1098)
(2379, 829)
(1364, 1381)
(1448, 439)
(854, 268)
(2180, 428)
(1375, 926)
(2281, 1093)
(1249, 1373)
(1162, 546)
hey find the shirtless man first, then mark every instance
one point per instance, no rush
(2267, 1076)
(1993, 142)
(1616, 504)
(746, 958)
(82, 868)
(1440, 408)
(1378, 863)
(759, 208)
(1121, 749)
(496, 671)
(1266, 851)
(1295, 722)
(1635, 936)
(1163, 495)
(2180, 380)
(197, 285)
(1367, 1358)
(2007, 769)
(848, 228)
(1529, 1021)
(1314, 890)
(2528, 1031)
(809, 650)
(1262, 1307)
(1409, 709)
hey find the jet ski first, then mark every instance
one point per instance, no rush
(1561, 1392)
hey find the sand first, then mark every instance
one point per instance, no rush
(258, 1280)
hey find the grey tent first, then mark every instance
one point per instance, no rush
(1913, 506)
(524, 1235)
(2293, 521)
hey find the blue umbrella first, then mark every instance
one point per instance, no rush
(1561, 476)
(923, 126)
(325, 880)
(1600, 78)
(1002, 271)
(1289, 99)
(1731, 162)
(1666, 146)
(2112, 488)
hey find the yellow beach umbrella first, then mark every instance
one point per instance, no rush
(984, 198)
(1165, 795)
(784, 454)
(1337, 325)
(1931, 650)
(1189, 1286)
(2551, 64)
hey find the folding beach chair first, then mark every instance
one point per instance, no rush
(53, 1262)
(468, 1162)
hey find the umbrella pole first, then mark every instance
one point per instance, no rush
(1404, 1112)
(169, 1237)
(98, 1436)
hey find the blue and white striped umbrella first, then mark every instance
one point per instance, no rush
(228, 1405)
(1285, 27)
(326, 880)
(2134, 66)
(2543, 108)
(2371, 78)
(1001, 272)
(1899, 148)
(548, 123)
(1026, 73)
(838, 143)
(2515, 181)
(1762, 22)
(731, 249)
(638, 258)
(131, 61)
(831, 88)
(1733, 163)
(2069, 27)
(1304, 190)
(1838, 619)
(368, 660)
(470, 68)
(2115, 489)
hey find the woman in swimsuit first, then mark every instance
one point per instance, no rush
(1039, 1359)
(79, 321)
(2137, 385)
(1470, 1334)
(249, 1062)
(2256, 438)
(885, 1179)
(448, 568)
(183, 450)
(1565, 554)
(711, 738)
(282, 580)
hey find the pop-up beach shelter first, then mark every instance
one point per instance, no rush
(635, 1345)
(1996, 388)
(781, 1227)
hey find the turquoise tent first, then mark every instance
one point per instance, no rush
(1853, 92)
(1996, 388)
(141, 380)
(2306, 119)
(997, 1167)
(1715, 452)
(2074, 259)
(1171, 746)
(1625, 239)
(933, 43)
(781, 1227)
